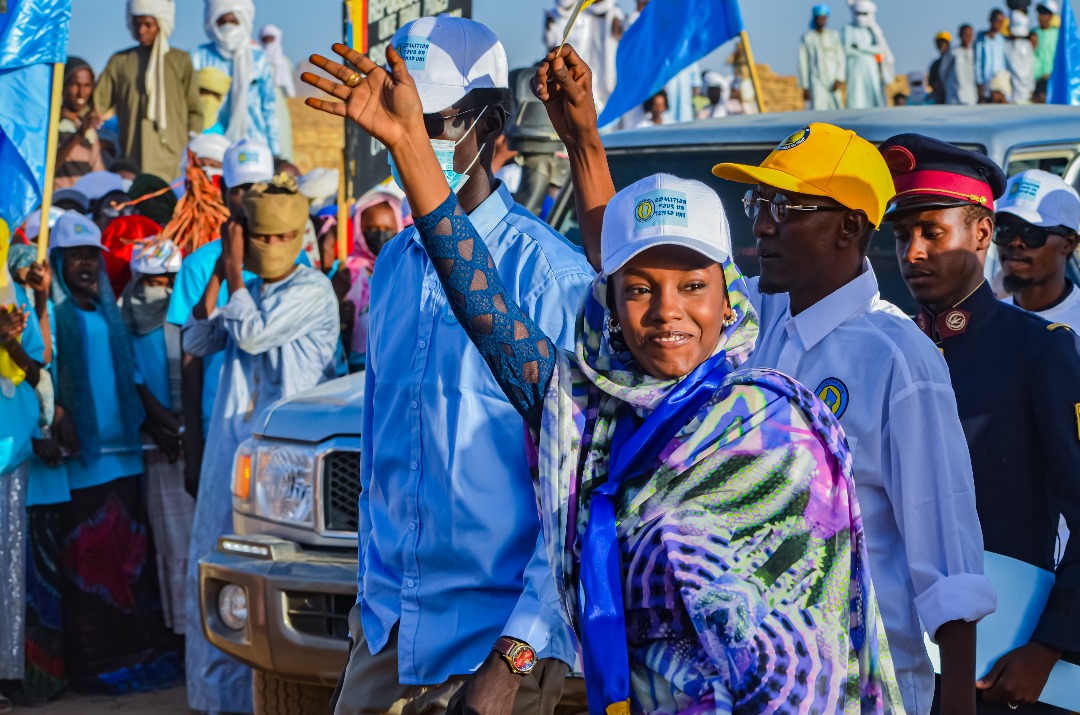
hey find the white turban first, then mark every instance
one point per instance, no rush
(164, 12)
(234, 42)
(275, 52)
(210, 146)
(869, 10)
(321, 187)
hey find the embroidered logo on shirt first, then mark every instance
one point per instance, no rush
(414, 51)
(834, 394)
(794, 140)
(660, 208)
(956, 321)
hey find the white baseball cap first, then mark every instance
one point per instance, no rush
(73, 229)
(98, 183)
(247, 162)
(448, 57)
(1042, 199)
(153, 257)
(32, 228)
(663, 210)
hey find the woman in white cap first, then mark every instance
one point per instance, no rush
(701, 522)
(250, 110)
(153, 90)
(113, 630)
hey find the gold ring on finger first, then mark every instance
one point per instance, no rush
(353, 80)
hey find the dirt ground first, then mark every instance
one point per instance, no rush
(165, 702)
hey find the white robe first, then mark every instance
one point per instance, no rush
(865, 87)
(594, 39)
(821, 65)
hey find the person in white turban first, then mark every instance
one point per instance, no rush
(870, 63)
(250, 109)
(270, 37)
(152, 89)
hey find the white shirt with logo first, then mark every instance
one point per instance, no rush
(890, 387)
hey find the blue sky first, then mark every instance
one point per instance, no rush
(98, 27)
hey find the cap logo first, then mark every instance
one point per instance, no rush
(79, 228)
(1024, 189)
(900, 160)
(414, 50)
(660, 208)
(246, 158)
(794, 140)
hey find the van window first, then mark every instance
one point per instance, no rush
(696, 162)
(1055, 159)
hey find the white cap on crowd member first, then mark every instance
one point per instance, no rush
(74, 196)
(153, 257)
(663, 210)
(1042, 199)
(98, 183)
(448, 57)
(713, 78)
(209, 146)
(1051, 5)
(320, 186)
(247, 162)
(32, 227)
(73, 229)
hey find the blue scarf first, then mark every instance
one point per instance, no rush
(634, 452)
(74, 389)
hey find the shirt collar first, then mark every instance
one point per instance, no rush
(957, 319)
(850, 300)
(489, 213)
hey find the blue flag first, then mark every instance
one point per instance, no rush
(668, 37)
(1065, 77)
(33, 36)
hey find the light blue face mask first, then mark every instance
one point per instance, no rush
(445, 150)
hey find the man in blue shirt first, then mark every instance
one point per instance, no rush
(990, 57)
(456, 598)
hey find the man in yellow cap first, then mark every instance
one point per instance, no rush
(815, 203)
(936, 78)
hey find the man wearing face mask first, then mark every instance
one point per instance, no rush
(250, 108)
(453, 569)
(153, 90)
(279, 332)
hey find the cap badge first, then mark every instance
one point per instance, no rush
(834, 394)
(1025, 189)
(79, 228)
(245, 158)
(663, 207)
(956, 321)
(794, 140)
(900, 160)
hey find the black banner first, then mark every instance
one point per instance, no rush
(367, 157)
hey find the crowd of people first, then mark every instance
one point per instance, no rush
(1007, 63)
(714, 493)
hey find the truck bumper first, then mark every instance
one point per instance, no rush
(297, 606)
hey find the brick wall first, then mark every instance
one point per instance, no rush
(318, 137)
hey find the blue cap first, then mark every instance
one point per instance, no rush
(822, 11)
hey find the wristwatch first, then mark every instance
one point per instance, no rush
(519, 656)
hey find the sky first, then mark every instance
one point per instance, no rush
(98, 27)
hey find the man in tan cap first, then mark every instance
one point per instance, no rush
(279, 332)
(816, 202)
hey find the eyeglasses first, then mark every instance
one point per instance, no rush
(780, 206)
(1031, 236)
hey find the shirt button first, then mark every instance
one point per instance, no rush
(410, 583)
(415, 404)
(412, 526)
(415, 466)
(423, 344)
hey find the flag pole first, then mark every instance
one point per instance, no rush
(342, 215)
(754, 80)
(53, 138)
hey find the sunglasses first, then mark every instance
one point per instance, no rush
(780, 206)
(1031, 236)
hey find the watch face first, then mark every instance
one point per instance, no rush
(523, 658)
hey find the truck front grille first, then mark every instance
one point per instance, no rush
(324, 615)
(341, 490)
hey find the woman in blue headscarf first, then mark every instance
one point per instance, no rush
(114, 632)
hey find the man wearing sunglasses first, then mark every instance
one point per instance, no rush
(1016, 377)
(456, 602)
(1037, 223)
(816, 202)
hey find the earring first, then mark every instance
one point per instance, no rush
(731, 321)
(613, 327)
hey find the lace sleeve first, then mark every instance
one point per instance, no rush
(519, 354)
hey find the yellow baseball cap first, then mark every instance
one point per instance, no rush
(943, 35)
(823, 160)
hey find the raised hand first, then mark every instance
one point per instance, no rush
(387, 106)
(563, 82)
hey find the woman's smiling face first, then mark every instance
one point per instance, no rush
(671, 303)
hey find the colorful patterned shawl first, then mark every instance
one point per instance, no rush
(745, 586)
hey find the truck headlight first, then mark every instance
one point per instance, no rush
(232, 607)
(283, 477)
